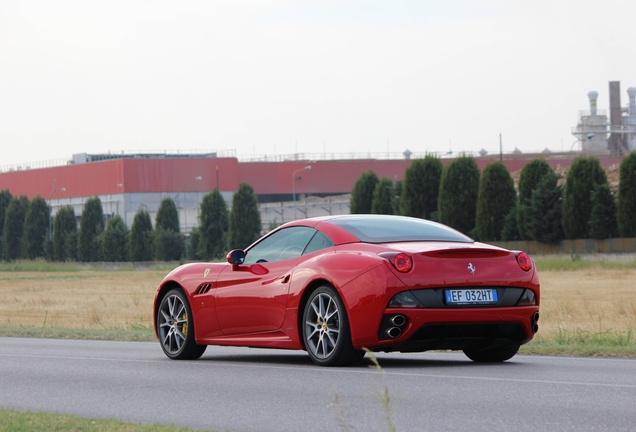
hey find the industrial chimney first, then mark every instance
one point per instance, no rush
(632, 100)
(592, 95)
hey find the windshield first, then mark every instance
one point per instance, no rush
(387, 229)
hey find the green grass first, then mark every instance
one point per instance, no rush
(136, 333)
(41, 265)
(18, 421)
(582, 343)
(564, 262)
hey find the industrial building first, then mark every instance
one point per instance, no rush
(291, 187)
(600, 136)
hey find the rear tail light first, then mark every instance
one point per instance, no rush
(401, 261)
(524, 261)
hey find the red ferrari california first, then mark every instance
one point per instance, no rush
(335, 285)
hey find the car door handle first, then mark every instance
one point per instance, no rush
(284, 279)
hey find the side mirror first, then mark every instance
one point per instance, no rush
(236, 257)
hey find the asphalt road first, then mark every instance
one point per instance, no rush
(242, 389)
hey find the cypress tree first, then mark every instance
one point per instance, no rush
(544, 211)
(36, 226)
(497, 196)
(195, 238)
(115, 240)
(64, 231)
(583, 176)
(529, 177)
(510, 231)
(626, 209)
(168, 240)
(245, 219)
(169, 245)
(141, 237)
(362, 194)
(14, 228)
(5, 199)
(603, 218)
(213, 226)
(397, 196)
(382, 202)
(91, 226)
(167, 216)
(459, 187)
(420, 190)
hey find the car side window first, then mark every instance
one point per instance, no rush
(317, 242)
(285, 244)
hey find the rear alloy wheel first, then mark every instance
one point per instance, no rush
(176, 329)
(326, 330)
(493, 355)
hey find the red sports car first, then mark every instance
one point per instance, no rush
(335, 285)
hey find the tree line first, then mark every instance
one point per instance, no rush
(27, 231)
(488, 207)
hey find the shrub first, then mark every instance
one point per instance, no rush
(115, 240)
(497, 197)
(167, 216)
(168, 245)
(168, 242)
(213, 226)
(544, 211)
(529, 177)
(5, 199)
(362, 194)
(420, 190)
(510, 231)
(141, 237)
(626, 209)
(245, 219)
(64, 234)
(383, 197)
(36, 226)
(91, 226)
(583, 176)
(459, 187)
(14, 228)
(603, 219)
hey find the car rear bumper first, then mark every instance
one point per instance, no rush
(419, 329)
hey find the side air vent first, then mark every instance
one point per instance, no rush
(203, 288)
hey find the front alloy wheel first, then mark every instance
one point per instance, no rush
(175, 328)
(326, 330)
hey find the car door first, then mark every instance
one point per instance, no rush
(252, 297)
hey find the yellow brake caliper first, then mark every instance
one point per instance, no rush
(184, 328)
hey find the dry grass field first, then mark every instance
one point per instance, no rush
(592, 300)
(87, 299)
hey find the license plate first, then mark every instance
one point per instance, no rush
(471, 296)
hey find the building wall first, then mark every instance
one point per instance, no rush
(126, 185)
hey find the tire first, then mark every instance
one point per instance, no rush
(493, 355)
(175, 328)
(326, 331)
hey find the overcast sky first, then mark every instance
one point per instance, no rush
(279, 77)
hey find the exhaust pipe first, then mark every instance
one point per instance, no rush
(398, 320)
(394, 332)
(533, 322)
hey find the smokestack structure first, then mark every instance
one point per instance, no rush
(632, 100)
(592, 96)
(615, 142)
